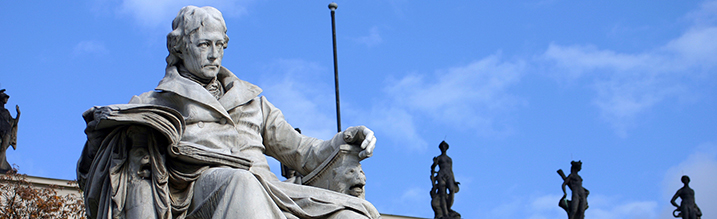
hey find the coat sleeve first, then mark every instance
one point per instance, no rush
(300, 152)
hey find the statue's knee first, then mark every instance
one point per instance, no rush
(242, 175)
(233, 176)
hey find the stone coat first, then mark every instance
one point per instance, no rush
(243, 124)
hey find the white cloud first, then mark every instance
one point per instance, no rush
(628, 85)
(601, 207)
(372, 39)
(706, 15)
(507, 210)
(397, 123)
(159, 12)
(474, 96)
(90, 47)
(306, 101)
(695, 48)
(406, 201)
(701, 167)
(412, 194)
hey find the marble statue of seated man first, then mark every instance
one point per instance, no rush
(196, 146)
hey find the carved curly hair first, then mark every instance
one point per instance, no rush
(187, 22)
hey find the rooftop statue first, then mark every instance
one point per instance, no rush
(688, 208)
(444, 185)
(579, 203)
(196, 146)
(8, 131)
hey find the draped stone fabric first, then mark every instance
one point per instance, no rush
(216, 165)
(101, 170)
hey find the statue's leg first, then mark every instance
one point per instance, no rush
(231, 193)
(436, 205)
(4, 166)
(583, 207)
(574, 207)
(449, 199)
(688, 213)
(444, 206)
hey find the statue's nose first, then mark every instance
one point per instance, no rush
(214, 53)
(362, 177)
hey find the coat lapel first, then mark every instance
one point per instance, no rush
(173, 82)
(237, 92)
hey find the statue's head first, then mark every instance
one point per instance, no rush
(350, 179)
(443, 146)
(139, 157)
(197, 41)
(685, 179)
(576, 166)
(4, 97)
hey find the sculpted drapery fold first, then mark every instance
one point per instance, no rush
(198, 143)
(102, 170)
(197, 137)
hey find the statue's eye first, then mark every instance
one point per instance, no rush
(203, 44)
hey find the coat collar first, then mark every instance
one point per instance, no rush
(237, 92)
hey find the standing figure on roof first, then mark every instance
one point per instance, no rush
(688, 208)
(444, 185)
(8, 131)
(579, 203)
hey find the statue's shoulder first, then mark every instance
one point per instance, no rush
(150, 97)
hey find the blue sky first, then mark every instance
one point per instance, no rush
(517, 88)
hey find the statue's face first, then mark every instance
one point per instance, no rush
(139, 162)
(350, 180)
(203, 53)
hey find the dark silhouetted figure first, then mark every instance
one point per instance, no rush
(688, 208)
(579, 203)
(8, 131)
(444, 185)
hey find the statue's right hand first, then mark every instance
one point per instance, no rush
(361, 134)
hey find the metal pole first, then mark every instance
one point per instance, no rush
(333, 6)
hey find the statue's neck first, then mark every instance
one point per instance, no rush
(212, 85)
(185, 73)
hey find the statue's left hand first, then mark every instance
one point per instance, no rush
(364, 135)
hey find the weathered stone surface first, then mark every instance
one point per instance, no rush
(341, 173)
(196, 146)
